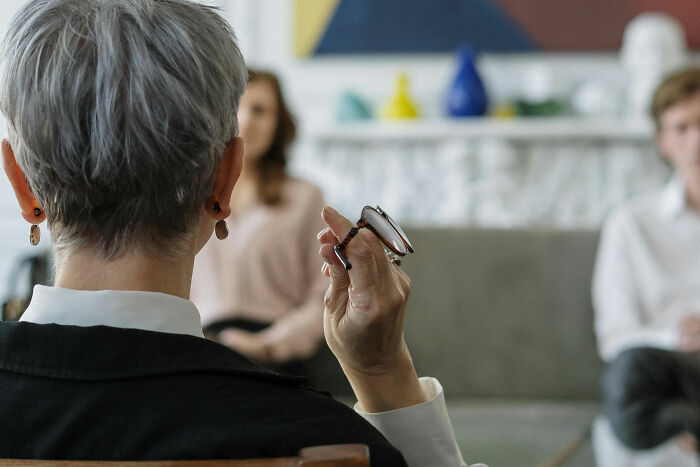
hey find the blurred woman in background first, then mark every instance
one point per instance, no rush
(259, 291)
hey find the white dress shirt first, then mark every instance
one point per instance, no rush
(423, 432)
(647, 273)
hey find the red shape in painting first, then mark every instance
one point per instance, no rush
(593, 24)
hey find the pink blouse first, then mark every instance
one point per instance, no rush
(268, 270)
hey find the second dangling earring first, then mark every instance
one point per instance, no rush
(220, 228)
(34, 230)
(34, 235)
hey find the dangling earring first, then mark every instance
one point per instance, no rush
(34, 231)
(220, 228)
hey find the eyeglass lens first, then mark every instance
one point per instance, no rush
(384, 228)
(398, 228)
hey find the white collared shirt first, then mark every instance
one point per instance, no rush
(148, 311)
(647, 273)
(423, 433)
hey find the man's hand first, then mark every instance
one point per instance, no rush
(687, 442)
(364, 316)
(690, 333)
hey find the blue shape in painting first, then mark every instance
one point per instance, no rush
(410, 26)
(467, 96)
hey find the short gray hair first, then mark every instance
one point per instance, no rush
(119, 112)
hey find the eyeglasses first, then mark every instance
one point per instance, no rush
(384, 227)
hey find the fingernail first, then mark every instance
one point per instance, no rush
(320, 234)
(324, 267)
(330, 210)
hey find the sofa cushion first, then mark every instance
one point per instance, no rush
(504, 313)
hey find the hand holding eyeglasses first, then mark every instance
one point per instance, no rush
(364, 316)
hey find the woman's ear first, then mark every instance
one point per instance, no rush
(31, 211)
(226, 177)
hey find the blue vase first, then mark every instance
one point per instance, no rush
(467, 96)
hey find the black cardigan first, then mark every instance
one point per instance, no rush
(104, 393)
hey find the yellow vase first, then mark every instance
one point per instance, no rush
(400, 106)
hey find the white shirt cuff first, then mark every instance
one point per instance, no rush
(422, 432)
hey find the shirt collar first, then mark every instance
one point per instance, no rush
(673, 199)
(148, 311)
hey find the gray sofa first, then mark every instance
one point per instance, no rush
(499, 313)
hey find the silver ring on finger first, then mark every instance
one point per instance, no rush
(394, 258)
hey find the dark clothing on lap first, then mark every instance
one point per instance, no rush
(651, 395)
(240, 323)
(106, 393)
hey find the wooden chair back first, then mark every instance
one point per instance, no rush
(335, 455)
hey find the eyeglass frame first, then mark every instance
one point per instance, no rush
(361, 224)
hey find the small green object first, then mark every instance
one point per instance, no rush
(546, 108)
(352, 108)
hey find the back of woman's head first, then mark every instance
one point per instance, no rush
(118, 113)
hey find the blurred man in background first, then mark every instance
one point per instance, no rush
(646, 288)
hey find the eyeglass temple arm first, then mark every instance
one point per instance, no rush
(339, 253)
(339, 248)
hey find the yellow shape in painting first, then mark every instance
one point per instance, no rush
(311, 18)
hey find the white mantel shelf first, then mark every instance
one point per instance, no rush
(517, 129)
(563, 172)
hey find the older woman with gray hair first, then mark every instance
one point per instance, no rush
(122, 136)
